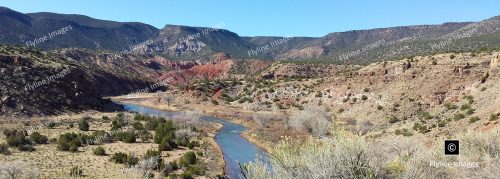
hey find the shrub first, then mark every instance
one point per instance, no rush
(450, 106)
(426, 115)
(17, 139)
(345, 100)
(470, 111)
(474, 119)
(458, 116)
(464, 107)
(189, 158)
(186, 175)
(26, 147)
(434, 62)
(346, 156)
(4, 149)
(53, 140)
(165, 145)
(132, 160)
(76, 172)
(441, 123)
(366, 90)
(393, 119)
(192, 144)
(164, 129)
(215, 102)
(84, 125)
(483, 89)
(493, 117)
(144, 135)
(129, 137)
(452, 56)
(99, 151)
(364, 97)
(152, 154)
(119, 157)
(73, 146)
(174, 165)
(137, 125)
(380, 107)
(70, 141)
(341, 110)
(37, 138)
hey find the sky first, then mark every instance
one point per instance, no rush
(312, 18)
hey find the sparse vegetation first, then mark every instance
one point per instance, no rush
(474, 119)
(99, 151)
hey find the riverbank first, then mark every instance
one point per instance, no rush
(234, 115)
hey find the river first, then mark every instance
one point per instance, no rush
(235, 148)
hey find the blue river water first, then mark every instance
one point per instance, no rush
(235, 148)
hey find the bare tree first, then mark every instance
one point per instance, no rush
(169, 100)
(315, 120)
(13, 170)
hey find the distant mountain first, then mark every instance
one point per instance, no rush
(64, 31)
(200, 43)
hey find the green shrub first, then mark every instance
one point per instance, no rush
(76, 172)
(165, 145)
(196, 170)
(193, 144)
(345, 100)
(470, 111)
(441, 123)
(164, 129)
(341, 110)
(458, 116)
(17, 139)
(364, 97)
(483, 88)
(393, 119)
(450, 106)
(474, 119)
(99, 151)
(132, 160)
(84, 125)
(4, 149)
(144, 135)
(37, 138)
(380, 107)
(189, 158)
(186, 175)
(426, 115)
(137, 125)
(464, 107)
(493, 117)
(53, 140)
(73, 146)
(119, 157)
(152, 154)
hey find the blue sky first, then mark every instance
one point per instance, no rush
(272, 17)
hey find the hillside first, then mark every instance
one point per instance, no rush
(200, 43)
